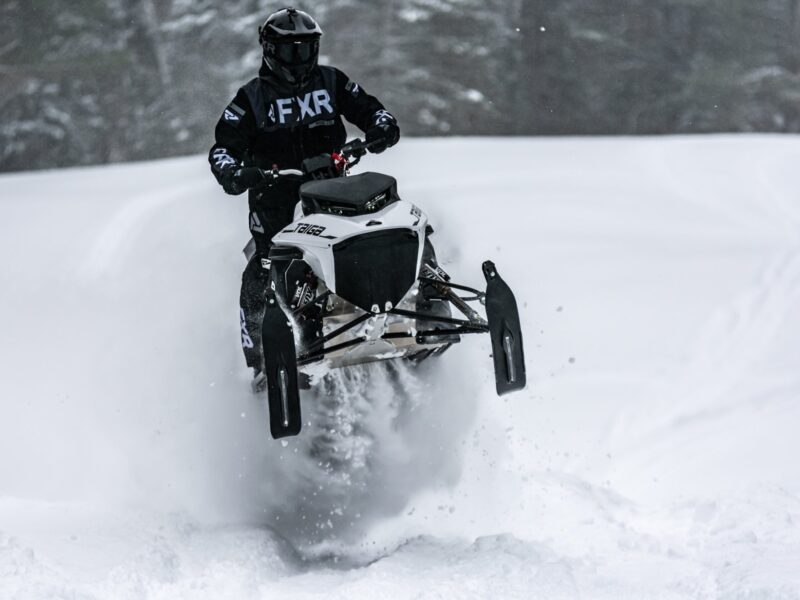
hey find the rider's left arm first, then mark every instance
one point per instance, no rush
(357, 106)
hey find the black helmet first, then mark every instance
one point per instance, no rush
(290, 39)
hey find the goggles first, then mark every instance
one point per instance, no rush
(294, 53)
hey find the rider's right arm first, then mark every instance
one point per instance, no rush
(234, 133)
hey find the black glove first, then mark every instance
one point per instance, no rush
(383, 134)
(229, 183)
(236, 181)
(250, 177)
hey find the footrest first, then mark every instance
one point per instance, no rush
(280, 367)
(504, 327)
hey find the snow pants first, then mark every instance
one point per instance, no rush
(264, 223)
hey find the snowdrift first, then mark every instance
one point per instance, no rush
(652, 455)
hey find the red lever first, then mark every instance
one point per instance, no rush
(339, 161)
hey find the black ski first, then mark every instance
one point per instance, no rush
(503, 317)
(280, 367)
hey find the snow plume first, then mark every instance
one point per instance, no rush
(374, 437)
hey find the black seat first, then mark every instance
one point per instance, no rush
(348, 196)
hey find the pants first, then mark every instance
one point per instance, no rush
(264, 224)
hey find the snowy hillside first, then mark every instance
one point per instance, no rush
(653, 455)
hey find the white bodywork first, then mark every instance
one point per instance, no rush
(316, 234)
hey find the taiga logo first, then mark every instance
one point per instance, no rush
(309, 229)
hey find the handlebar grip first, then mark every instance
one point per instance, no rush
(289, 173)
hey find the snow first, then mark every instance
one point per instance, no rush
(653, 455)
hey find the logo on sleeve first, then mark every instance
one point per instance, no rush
(383, 116)
(222, 159)
(255, 223)
(247, 341)
(234, 113)
(352, 87)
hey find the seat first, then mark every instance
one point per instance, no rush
(348, 196)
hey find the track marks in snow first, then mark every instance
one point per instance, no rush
(739, 335)
(724, 390)
(120, 235)
(727, 369)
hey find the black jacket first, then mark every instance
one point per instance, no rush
(266, 125)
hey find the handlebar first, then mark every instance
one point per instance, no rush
(356, 149)
(270, 176)
(275, 173)
(349, 156)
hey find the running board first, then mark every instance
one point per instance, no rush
(280, 367)
(504, 328)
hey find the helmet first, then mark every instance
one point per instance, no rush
(290, 39)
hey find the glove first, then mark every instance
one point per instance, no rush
(250, 177)
(384, 133)
(234, 182)
(229, 182)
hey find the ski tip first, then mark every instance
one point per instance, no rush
(489, 270)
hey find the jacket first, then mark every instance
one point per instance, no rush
(267, 125)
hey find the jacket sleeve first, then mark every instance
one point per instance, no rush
(234, 134)
(357, 106)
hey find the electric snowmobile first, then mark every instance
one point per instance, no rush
(354, 279)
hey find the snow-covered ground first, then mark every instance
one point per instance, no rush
(653, 455)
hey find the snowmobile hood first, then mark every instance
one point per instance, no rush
(327, 239)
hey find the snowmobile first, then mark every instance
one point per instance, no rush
(354, 279)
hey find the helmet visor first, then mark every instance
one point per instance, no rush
(296, 53)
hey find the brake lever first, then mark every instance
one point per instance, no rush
(355, 149)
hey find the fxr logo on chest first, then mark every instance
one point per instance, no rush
(310, 105)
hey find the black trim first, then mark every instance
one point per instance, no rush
(310, 357)
(285, 253)
(452, 285)
(421, 335)
(376, 268)
(423, 317)
(346, 327)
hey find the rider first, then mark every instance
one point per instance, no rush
(291, 112)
